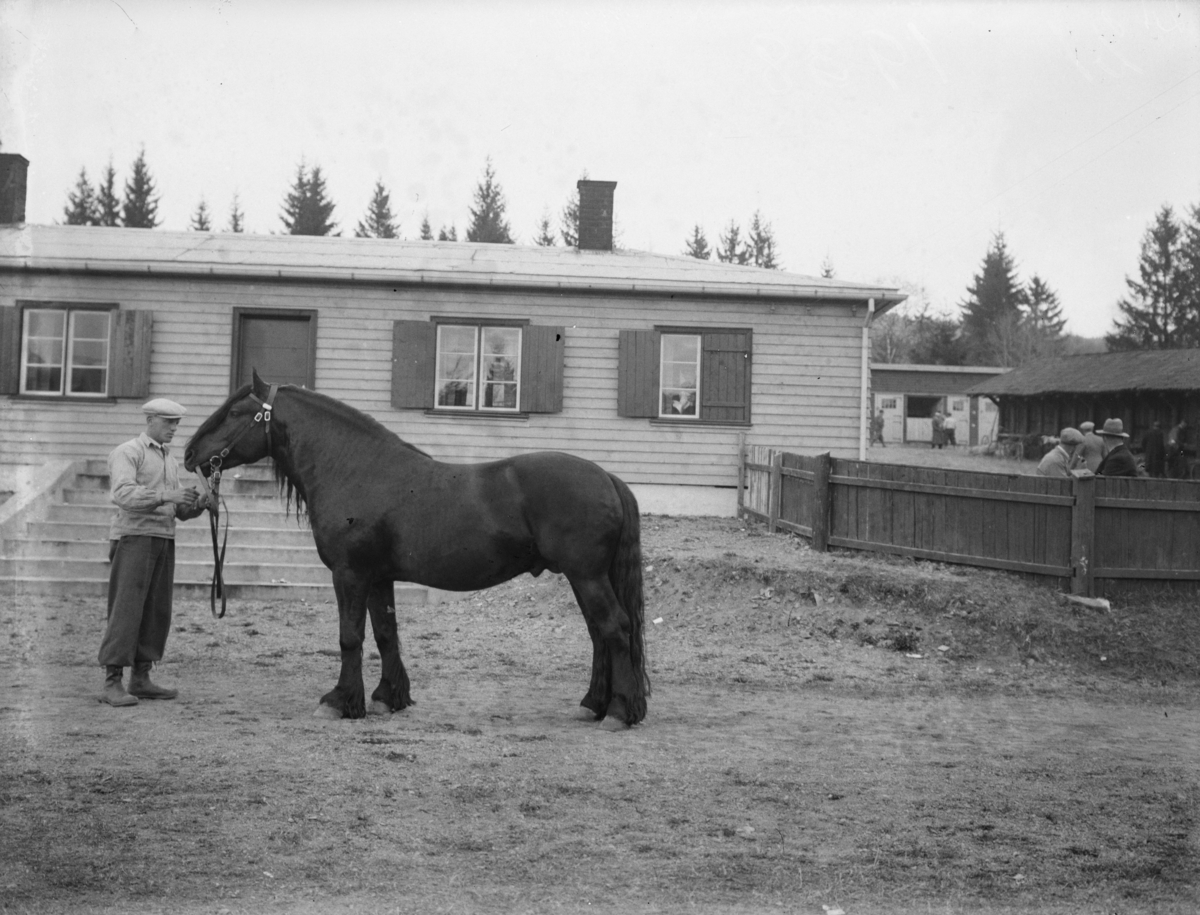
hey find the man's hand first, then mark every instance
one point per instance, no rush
(184, 498)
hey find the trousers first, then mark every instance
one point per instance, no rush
(140, 585)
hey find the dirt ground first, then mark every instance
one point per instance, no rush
(825, 732)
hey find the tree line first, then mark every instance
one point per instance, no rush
(1005, 321)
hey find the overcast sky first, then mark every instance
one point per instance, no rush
(894, 139)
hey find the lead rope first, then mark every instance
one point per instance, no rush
(214, 523)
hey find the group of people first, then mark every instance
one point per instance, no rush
(944, 431)
(1105, 452)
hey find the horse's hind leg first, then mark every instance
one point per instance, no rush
(623, 693)
(391, 695)
(347, 697)
(594, 705)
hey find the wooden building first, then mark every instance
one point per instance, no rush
(909, 395)
(654, 366)
(1139, 388)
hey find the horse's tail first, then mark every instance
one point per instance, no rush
(625, 574)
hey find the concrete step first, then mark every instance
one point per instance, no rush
(248, 494)
(250, 513)
(188, 550)
(192, 532)
(237, 569)
(406, 595)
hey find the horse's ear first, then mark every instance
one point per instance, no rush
(259, 387)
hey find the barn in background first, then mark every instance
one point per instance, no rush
(1138, 388)
(654, 366)
(909, 395)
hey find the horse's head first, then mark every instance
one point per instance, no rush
(238, 432)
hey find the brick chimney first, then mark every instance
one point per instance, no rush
(595, 215)
(13, 169)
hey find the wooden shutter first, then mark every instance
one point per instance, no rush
(638, 354)
(542, 369)
(414, 345)
(129, 354)
(725, 377)
(10, 349)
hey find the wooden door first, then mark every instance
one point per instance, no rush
(280, 345)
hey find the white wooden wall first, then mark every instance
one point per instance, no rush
(805, 374)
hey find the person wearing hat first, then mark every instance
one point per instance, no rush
(1118, 462)
(1057, 462)
(1091, 452)
(144, 480)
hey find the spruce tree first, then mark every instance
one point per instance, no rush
(307, 208)
(379, 223)
(139, 209)
(81, 209)
(237, 219)
(426, 229)
(731, 250)
(201, 220)
(108, 207)
(1156, 315)
(697, 245)
(1043, 310)
(487, 215)
(568, 220)
(450, 234)
(544, 237)
(992, 312)
(761, 243)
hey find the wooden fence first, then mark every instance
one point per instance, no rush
(1089, 532)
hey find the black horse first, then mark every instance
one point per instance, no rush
(383, 511)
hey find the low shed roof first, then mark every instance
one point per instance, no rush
(1100, 373)
(296, 257)
(897, 378)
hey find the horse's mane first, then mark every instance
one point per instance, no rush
(356, 419)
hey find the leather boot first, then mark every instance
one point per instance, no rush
(140, 685)
(114, 693)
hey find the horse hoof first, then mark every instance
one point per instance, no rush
(327, 711)
(583, 713)
(378, 708)
(612, 724)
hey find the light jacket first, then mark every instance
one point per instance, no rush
(140, 473)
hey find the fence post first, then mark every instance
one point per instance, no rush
(820, 504)
(741, 496)
(1083, 531)
(775, 491)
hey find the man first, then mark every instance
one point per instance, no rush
(1177, 439)
(939, 425)
(144, 481)
(948, 430)
(1091, 452)
(1118, 462)
(877, 429)
(1154, 450)
(1057, 462)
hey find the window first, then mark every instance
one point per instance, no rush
(65, 351)
(888, 403)
(958, 405)
(478, 368)
(681, 374)
(464, 367)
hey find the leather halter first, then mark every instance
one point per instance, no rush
(214, 476)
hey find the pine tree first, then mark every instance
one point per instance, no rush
(426, 229)
(731, 250)
(201, 220)
(307, 208)
(992, 312)
(697, 245)
(237, 219)
(1043, 313)
(450, 234)
(487, 216)
(380, 223)
(81, 209)
(568, 219)
(545, 237)
(139, 209)
(761, 244)
(1156, 315)
(108, 207)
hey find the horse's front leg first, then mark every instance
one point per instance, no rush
(346, 700)
(392, 693)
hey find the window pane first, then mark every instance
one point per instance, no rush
(88, 381)
(456, 394)
(456, 366)
(679, 374)
(44, 352)
(43, 379)
(90, 325)
(501, 367)
(502, 396)
(89, 353)
(45, 323)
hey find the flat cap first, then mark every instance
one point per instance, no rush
(165, 408)
(1070, 436)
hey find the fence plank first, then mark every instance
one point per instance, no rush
(821, 495)
(1082, 533)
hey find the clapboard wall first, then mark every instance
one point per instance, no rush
(805, 375)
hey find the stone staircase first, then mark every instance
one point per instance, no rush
(63, 549)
